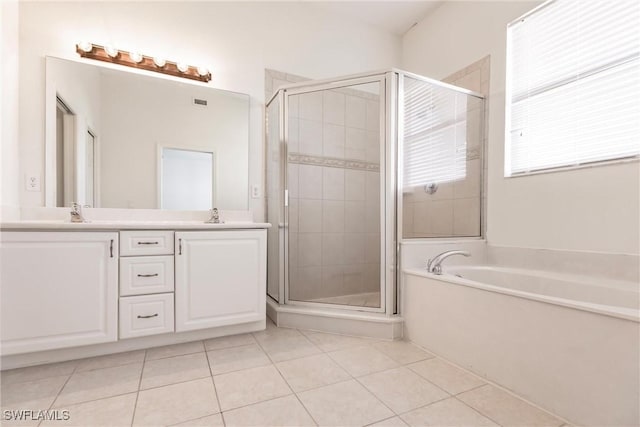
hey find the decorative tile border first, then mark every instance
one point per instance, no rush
(332, 162)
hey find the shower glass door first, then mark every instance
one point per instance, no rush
(335, 154)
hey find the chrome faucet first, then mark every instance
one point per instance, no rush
(435, 265)
(215, 217)
(76, 213)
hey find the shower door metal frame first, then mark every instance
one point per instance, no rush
(319, 86)
(279, 95)
(392, 249)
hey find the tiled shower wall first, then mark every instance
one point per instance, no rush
(454, 210)
(334, 192)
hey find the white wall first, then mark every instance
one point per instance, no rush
(9, 79)
(237, 41)
(594, 209)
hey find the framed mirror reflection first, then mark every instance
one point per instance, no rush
(120, 139)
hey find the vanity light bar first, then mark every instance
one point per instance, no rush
(142, 62)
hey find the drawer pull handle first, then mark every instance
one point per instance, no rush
(148, 275)
(146, 317)
(148, 243)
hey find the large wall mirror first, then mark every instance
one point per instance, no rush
(117, 139)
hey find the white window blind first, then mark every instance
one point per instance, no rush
(435, 131)
(573, 85)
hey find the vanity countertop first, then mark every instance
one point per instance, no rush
(50, 225)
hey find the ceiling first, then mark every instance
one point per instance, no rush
(394, 16)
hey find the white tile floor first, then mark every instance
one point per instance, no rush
(277, 377)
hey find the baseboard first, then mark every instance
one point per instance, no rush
(51, 356)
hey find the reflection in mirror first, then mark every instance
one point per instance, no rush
(65, 125)
(89, 172)
(186, 179)
(117, 139)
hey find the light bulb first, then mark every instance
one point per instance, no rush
(182, 67)
(135, 57)
(160, 62)
(111, 51)
(85, 46)
(203, 71)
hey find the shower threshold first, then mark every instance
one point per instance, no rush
(336, 320)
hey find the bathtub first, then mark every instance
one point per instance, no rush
(570, 344)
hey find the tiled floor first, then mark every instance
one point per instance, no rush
(277, 377)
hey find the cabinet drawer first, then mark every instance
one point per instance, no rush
(146, 275)
(146, 315)
(146, 242)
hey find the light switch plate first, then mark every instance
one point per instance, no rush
(32, 182)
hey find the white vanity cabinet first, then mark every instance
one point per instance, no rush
(57, 290)
(220, 278)
(86, 291)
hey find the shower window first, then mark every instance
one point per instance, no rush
(573, 85)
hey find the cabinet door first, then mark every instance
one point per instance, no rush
(220, 278)
(59, 289)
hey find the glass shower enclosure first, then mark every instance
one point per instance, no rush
(335, 179)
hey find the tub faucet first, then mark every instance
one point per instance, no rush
(215, 216)
(434, 265)
(76, 213)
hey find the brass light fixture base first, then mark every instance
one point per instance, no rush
(146, 63)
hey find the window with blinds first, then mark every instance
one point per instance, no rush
(573, 85)
(435, 134)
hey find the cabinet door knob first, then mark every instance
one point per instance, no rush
(146, 317)
(148, 275)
